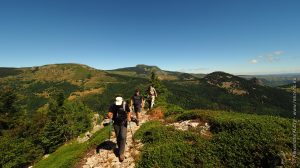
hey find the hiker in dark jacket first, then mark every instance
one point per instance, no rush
(120, 113)
(137, 102)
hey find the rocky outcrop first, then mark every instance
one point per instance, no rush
(188, 124)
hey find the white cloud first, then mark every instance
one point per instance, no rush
(274, 56)
(253, 61)
(279, 52)
(270, 57)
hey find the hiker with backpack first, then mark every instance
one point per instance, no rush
(137, 103)
(119, 113)
(152, 94)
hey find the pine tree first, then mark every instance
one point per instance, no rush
(8, 100)
(51, 136)
(9, 107)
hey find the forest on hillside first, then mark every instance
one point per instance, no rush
(26, 137)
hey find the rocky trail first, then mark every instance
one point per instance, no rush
(104, 156)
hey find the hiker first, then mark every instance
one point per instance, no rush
(120, 113)
(137, 103)
(151, 96)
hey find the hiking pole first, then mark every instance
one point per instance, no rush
(131, 132)
(110, 125)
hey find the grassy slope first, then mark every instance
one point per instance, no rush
(239, 140)
(69, 154)
(34, 85)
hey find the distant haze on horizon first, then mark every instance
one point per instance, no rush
(239, 37)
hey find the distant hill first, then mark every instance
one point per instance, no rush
(198, 75)
(231, 83)
(220, 90)
(82, 72)
(4, 72)
(73, 73)
(274, 80)
(291, 87)
(144, 71)
(36, 84)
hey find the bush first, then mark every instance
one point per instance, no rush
(239, 140)
(18, 152)
(244, 140)
(173, 110)
(167, 147)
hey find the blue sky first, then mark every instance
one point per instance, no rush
(236, 36)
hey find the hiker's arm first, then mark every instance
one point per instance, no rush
(129, 116)
(155, 92)
(143, 102)
(128, 113)
(131, 102)
(110, 112)
(110, 115)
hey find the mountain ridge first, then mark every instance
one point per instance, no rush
(142, 70)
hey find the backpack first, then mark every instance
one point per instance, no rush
(120, 115)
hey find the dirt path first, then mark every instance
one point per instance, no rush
(104, 158)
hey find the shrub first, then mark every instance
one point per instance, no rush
(173, 110)
(244, 140)
(167, 147)
(239, 140)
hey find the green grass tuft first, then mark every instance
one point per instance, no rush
(69, 154)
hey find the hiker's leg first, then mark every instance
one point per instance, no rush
(117, 129)
(149, 103)
(135, 111)
(138, 112)
(122, 137)
(138, 115)
(152, 101)
(133, 114)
